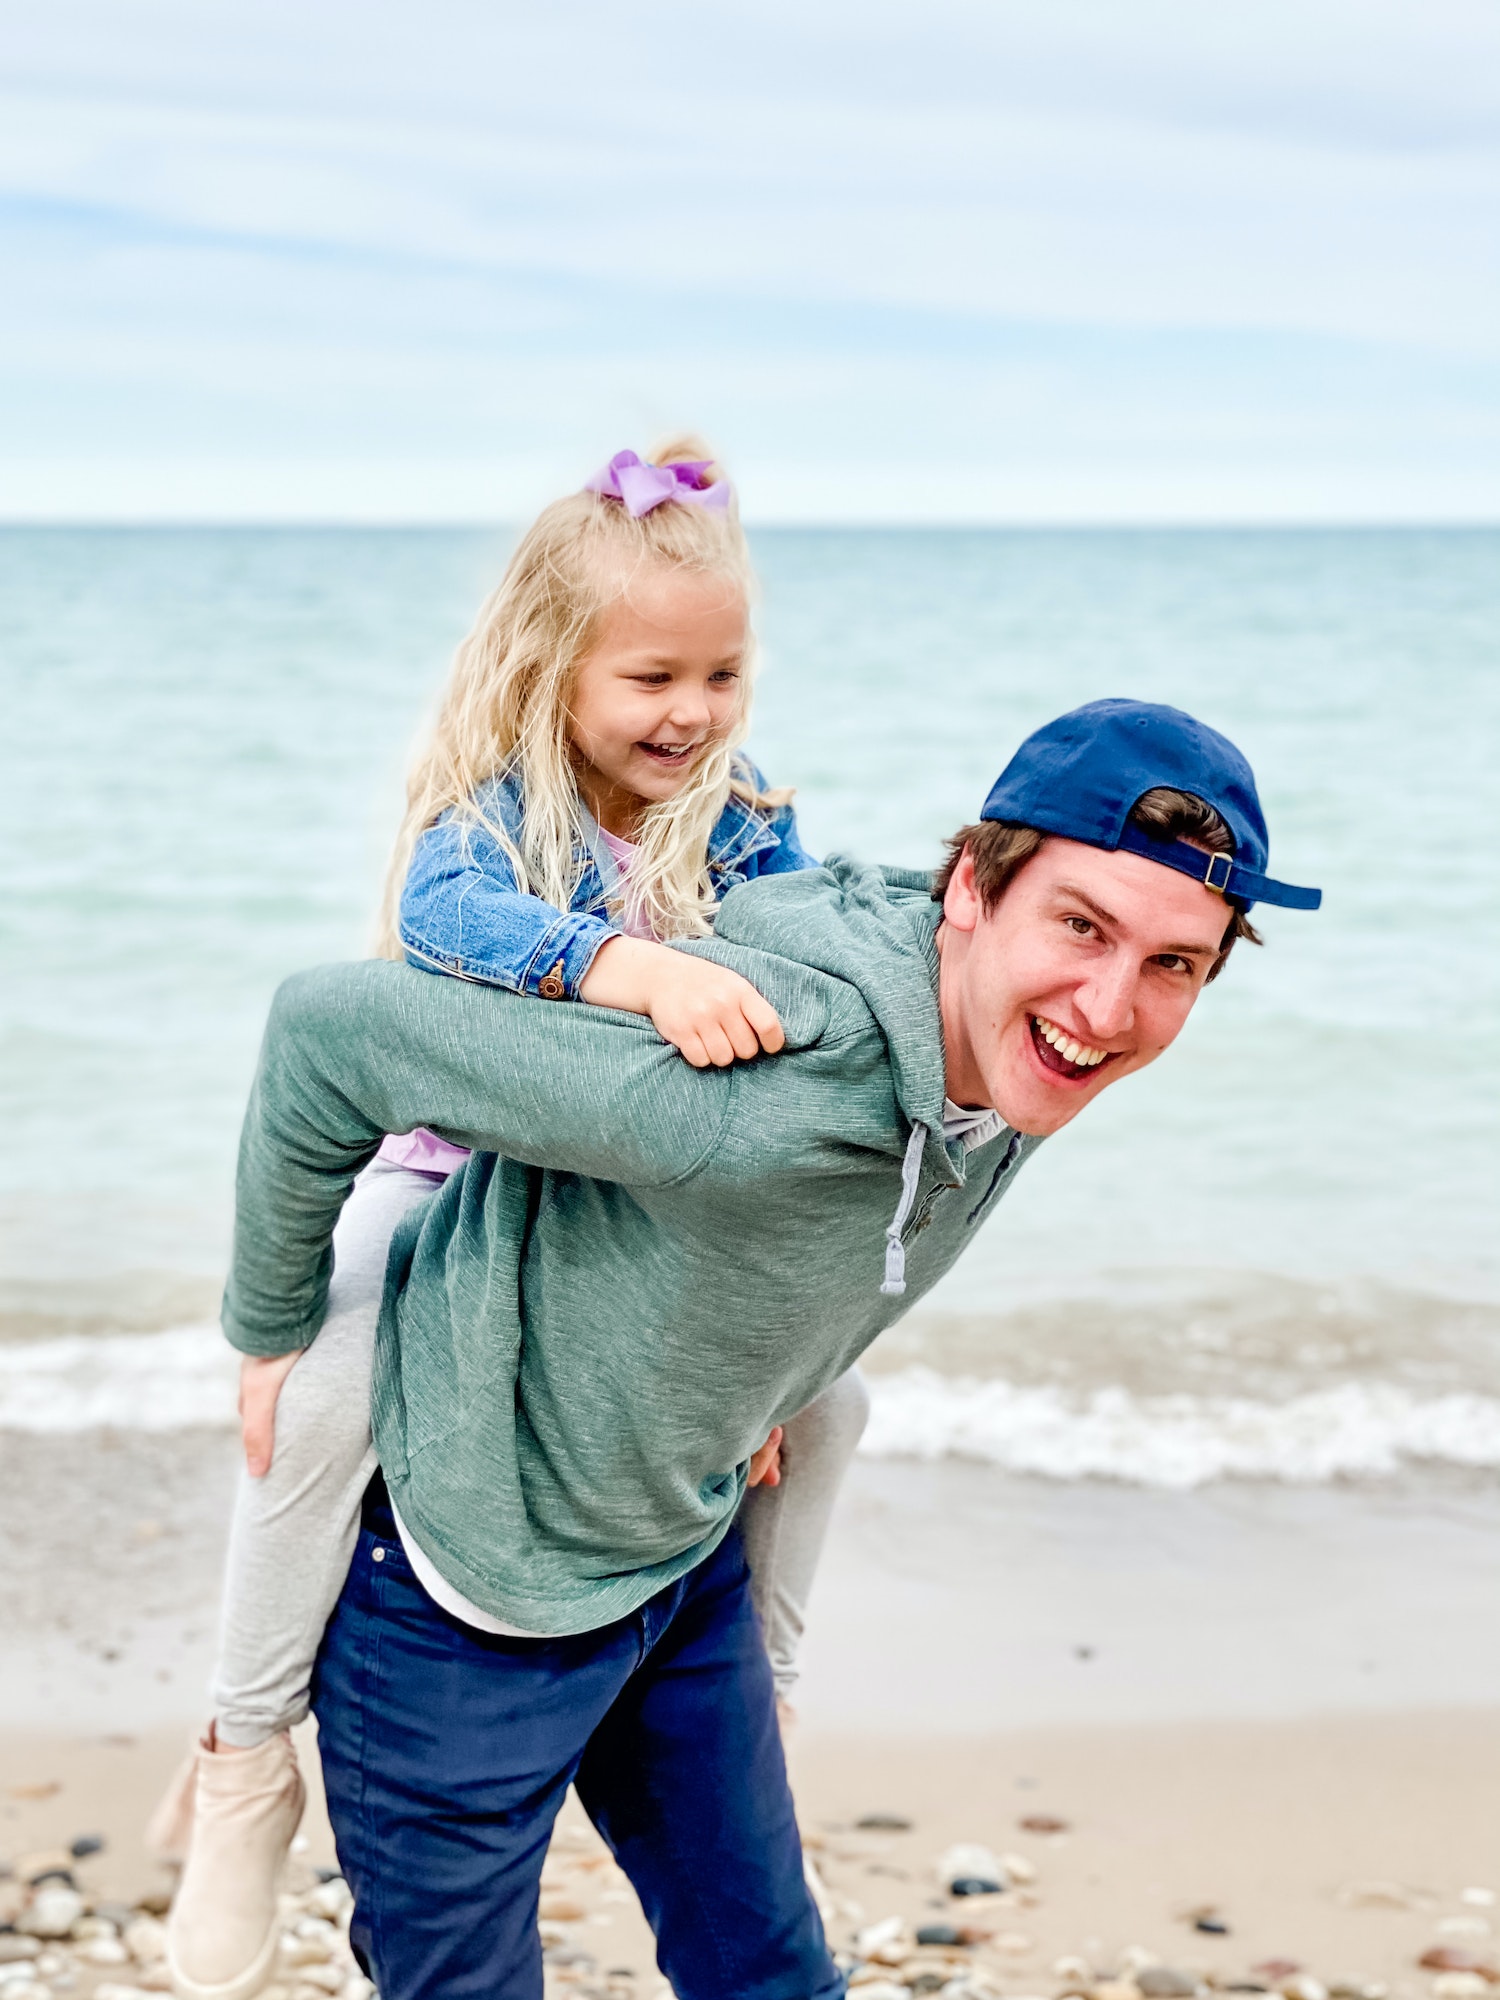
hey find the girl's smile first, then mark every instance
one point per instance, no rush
(663, 680)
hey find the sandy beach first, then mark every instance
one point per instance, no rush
(1267, 1710)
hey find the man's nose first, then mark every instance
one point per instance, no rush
(1106, 1000)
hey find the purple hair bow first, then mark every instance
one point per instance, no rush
(643, 487)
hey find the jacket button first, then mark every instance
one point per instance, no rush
(550, 986)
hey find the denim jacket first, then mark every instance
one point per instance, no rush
(461, 912)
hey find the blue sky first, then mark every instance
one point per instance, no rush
(1133, 260)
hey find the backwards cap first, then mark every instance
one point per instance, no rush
(1080, 776)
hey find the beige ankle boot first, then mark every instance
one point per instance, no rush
(222, 1932)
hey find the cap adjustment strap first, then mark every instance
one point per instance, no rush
(1219, 872)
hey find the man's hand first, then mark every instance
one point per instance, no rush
(261, 1377)
(708, 1013)
(765, 1464)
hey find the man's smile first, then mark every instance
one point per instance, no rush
(1062, 1055)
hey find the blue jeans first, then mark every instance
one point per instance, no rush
(447, 1753)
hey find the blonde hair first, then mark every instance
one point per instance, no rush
(505, 711)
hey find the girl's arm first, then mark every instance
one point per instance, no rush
(708, 1013)
(462, 913)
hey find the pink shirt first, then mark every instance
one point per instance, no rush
(423, 1151)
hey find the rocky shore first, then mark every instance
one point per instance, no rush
(1335, 1860)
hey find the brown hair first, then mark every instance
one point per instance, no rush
(1001, 849)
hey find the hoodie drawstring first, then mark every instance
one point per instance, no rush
(895, 1250)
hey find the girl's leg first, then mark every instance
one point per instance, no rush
(294, 1531)
(290, 1545)
(784, 1526)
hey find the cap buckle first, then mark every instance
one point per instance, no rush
(1219, 887)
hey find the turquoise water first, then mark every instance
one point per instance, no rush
(203, 744)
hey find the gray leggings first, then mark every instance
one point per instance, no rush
(294, 1530)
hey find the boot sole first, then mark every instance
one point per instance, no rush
(246, 1984)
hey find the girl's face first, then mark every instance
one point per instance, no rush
(662, 681)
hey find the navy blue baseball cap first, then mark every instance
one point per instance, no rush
(1080, 776)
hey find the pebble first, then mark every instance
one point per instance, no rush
(1211, 1926)
(1453, 1958)
(881, 1822)
(1135, 1958)
(1302, 1986)
(1165, 1982)
(885, 1943)
(106, 1950)
(1375, 1896)
(95, 1926)
(1018, 1869)
(1043, 1823)
(53, 1911)
(34, 1868)
(1476, 1927)
(14, 1947)
(332, 1899)
(1459, 1986)
(1478, 1899)
(85, 1845)
(561, 1909)
(326, 1978)
(145, 1938)
(970, 1870)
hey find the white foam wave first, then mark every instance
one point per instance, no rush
(169, 1381)
(186, 1377)
(1356, 1430)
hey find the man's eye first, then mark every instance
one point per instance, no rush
(1081, 925)
(1173, 962)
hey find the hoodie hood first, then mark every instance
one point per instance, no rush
(875, 929)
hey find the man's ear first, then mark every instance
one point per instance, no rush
(961, 904)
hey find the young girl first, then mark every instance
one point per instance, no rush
(581, 802)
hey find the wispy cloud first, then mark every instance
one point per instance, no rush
(1120, 260)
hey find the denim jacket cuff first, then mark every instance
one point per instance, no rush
(567, 949)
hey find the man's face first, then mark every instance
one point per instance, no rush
(1084, 970)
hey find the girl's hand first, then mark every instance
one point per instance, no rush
(765, 1464)
(261, 1377)
(704, 1010)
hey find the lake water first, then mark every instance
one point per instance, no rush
(1274, 1254)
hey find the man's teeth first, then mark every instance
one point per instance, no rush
(1078, 1053)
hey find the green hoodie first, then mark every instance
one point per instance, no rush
(645, 1266)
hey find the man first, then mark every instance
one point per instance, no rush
(645, 1268)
